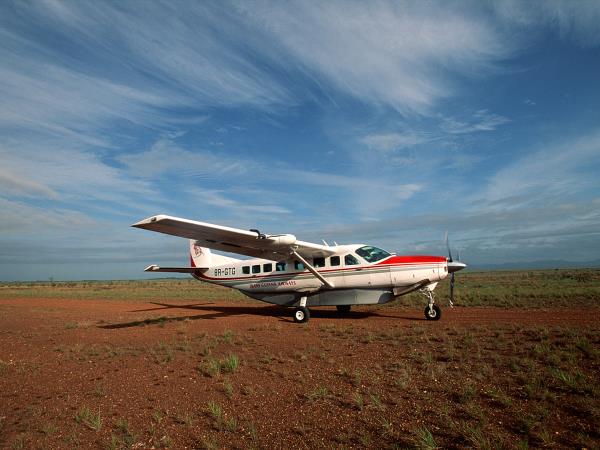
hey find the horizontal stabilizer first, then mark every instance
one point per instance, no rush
(155, 268)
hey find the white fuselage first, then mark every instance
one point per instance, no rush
(345, 270)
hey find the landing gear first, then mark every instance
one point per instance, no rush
(343, 309)
(301, 314)
(432, 311)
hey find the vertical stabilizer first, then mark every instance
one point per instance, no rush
(200, 257)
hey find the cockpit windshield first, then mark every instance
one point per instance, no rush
(372, 254)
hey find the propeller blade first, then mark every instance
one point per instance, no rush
(452, 287)
(448, 247)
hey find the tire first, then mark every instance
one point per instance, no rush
(435, 314)
(301, 314)
(343, 309)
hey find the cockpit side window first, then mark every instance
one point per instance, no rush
(372, 254)
(350, 260)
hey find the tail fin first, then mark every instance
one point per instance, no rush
(203, 258)
(199, 256)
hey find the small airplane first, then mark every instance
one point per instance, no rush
(289, 272)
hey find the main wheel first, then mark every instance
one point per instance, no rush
(343, 309)
(301, 314)
(434, 313)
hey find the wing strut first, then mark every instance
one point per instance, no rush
(312, 270)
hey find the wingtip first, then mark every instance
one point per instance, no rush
(138, 224)
(145, 222)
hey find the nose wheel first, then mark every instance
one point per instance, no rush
(432, 311)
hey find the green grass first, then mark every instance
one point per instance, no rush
(230, 363)
(212, 368)
(359, 401)
(549, 288)
(86, 417)
(134, 290)
(215, 411)
(162, 353)
(228, 389)
(423, 439)
(319, 393)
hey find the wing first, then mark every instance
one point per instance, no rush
(234, 240)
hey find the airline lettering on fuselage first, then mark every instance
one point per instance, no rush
(225, 272)
(272, 284)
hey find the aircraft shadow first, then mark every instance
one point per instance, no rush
(215, 312)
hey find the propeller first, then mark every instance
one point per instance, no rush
(453, 266)
(448, 247)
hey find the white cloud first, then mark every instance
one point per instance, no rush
(20, 218)
(482, 120)
(385, 53)
(576, 20)
(219, 199)
(196, 50)
(46, 98)
(166, 157)
(133, 65)
(387, 142)
(366, 195)
(24, 185)
(348, 182)
(70, 174)
(551, 172)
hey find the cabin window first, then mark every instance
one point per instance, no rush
(334, 261)
(256, 269)
(319, 262)
(298, 265)
(372, 254)
(280, 266)
(268, 267)
(350, 260)
(246, 270)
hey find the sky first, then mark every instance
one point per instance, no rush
(387, 123)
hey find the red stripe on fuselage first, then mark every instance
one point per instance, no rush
(411, 259)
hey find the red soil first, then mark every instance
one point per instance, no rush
(61, 356)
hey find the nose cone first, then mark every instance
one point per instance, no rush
(455, 266)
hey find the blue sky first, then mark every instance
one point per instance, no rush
(376, 122)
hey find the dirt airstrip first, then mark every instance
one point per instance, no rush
(202, 374)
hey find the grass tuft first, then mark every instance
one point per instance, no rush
(88, 418)
(424, 439)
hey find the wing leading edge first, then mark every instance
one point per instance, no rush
(234, 240)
